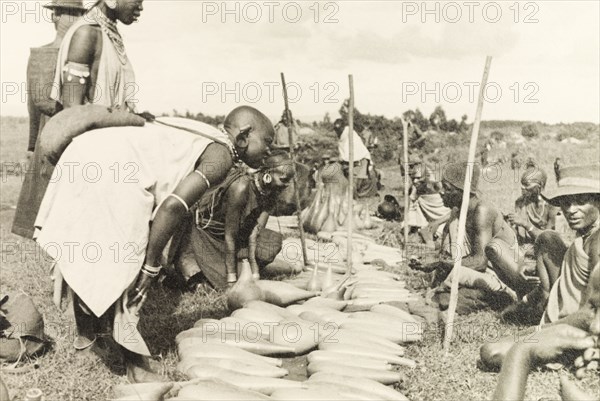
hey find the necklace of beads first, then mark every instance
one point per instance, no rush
(259, 187)
(109, 27)
(234, 153)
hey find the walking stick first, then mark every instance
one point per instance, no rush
(463, 210)
(350, 219)
(406, 182)
(295, 180)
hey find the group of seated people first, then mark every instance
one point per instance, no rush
(551, 285)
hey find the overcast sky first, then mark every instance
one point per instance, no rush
(209, 56)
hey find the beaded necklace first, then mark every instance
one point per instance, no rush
(258, 185)
(234, 153)
(109, 27)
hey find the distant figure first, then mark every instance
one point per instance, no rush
(515, 163)
(368, 138)
(426, 206)
(282, 139)
(365, 176)
(40, 74)
(557, 167)
(484, 155)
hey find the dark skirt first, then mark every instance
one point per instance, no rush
(195, 251)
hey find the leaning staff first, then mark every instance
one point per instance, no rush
(296, 193)
(406, 182)
(350, 173)
(463, 210)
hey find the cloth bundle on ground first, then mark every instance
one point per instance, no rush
(21, 327)
(60, 130)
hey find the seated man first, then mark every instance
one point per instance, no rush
(365, 177)
(586, 318)
(230, 221)
(485, 224)
(563, 272)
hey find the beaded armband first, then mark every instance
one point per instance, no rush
(76, 70)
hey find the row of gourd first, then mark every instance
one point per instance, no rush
(353, 340)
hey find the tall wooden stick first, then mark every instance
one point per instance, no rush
(406, 183)
(350, 218)
(463, 209)
(295, 179)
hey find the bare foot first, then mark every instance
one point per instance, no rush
(427, 236)
(143, 374)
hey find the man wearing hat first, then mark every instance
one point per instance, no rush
(578, 195)
(40, 75)
(485, 224)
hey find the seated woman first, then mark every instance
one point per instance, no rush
(230, 225)
(106, 229)
(532, 213)
(426, 211)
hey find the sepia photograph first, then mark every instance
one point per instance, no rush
(300, 200)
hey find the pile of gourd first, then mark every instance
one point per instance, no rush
(328, 211)
(352, 339)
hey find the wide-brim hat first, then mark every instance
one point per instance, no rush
(454, 174)
(575, 180)
(66, 5)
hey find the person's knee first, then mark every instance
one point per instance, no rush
(492, 354)
(493, 251)
(547, 239)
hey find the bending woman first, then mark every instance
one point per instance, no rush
(107, 234)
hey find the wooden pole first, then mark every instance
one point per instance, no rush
(463, 210)
(406, 182)
(295, 179)
(350, 216)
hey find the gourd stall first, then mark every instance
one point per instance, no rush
(334, 331)
(339, 331)
(320, 334)
(323, 333)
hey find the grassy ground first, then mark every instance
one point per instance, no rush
(64, 375)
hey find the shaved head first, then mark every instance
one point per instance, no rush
(252, 133)
(245, 115)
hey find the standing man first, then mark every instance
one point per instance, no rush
(40, 76)
(365, 175)
(282, 139)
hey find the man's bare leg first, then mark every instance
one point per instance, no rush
(549, 251)
(506, 261)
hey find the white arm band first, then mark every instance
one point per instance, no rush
(187, 208)
(201, 174)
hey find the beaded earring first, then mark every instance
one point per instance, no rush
(267, 178)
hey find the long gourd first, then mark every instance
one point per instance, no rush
(192, 347)
(264, 385)
(382, 391)
(363, 351)
(235, 365)
(282, 294)
(347, 360)
(379, 375)
(212, 390)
